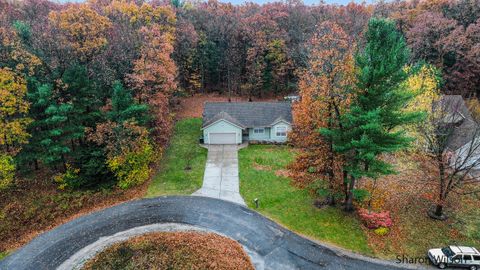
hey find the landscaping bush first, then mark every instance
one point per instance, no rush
(374, 220)
(7, 171)
(68, 178)
(132, 168)
(361, 195)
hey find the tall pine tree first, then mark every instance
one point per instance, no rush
(373, 125)
(124, 107)
(47, 143)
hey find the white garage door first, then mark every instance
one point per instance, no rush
(222, 138)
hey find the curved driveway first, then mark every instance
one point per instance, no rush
(280, 248)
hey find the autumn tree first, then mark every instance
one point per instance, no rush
(424, 37)
(278, 67)
(373, 124)
(13, 122)
(452, 146)
(13, 53)
(153, 78)
(324, 91)
(129, 152)
(82, 29)
(268, 65)
(424, 83)
(13, 112)
(184, 55)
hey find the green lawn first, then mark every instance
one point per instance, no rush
(3, 254)
(182, 167)
(291, 206)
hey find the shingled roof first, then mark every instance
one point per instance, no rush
(247, 114)
(457, 113)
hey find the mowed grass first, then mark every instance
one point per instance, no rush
(261, 177)
(182, 167)
(4, 254)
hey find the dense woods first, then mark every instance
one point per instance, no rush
(89, 92)
(87, 88)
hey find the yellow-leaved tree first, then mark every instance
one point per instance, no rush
(425, 85)
(13, 122)
(82, 29)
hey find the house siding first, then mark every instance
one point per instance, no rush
(222, 127)
(273, 135)
(259, 137)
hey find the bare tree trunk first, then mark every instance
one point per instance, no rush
(349, 202)
(441, 199)
(6, 143)
(331, 161)
(439, 210)
(64, 163)
(345, 186)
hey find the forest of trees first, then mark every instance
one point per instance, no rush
(87, 89)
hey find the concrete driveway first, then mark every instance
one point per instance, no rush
(275, 247)
(220, 179)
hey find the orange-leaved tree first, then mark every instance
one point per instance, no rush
(154, 77)
(324, 87)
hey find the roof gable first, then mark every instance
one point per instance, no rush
(280, 120)
(457, 113)
(222, 116)
(248, 114)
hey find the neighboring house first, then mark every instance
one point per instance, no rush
(464, 140)
(237, 122)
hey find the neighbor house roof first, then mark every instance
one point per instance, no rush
(457, 113)
(247, 114)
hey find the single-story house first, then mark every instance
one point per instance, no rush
(237, 122)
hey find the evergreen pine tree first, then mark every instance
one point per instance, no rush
(373, 124)
(124, 107)
(85, 99)
(47, 143)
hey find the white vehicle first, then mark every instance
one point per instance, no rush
(456, 256)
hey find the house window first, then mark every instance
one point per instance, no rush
(258, 130)
(281, 131)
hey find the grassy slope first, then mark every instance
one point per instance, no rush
(184, 150)
(290, 206)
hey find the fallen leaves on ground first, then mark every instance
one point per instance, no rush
(174, 250)
(192, 107)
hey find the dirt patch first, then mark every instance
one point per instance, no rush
(192, 107)
(260, 167)
(173, 250)
(282, 173)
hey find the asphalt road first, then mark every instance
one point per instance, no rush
(278, 247)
